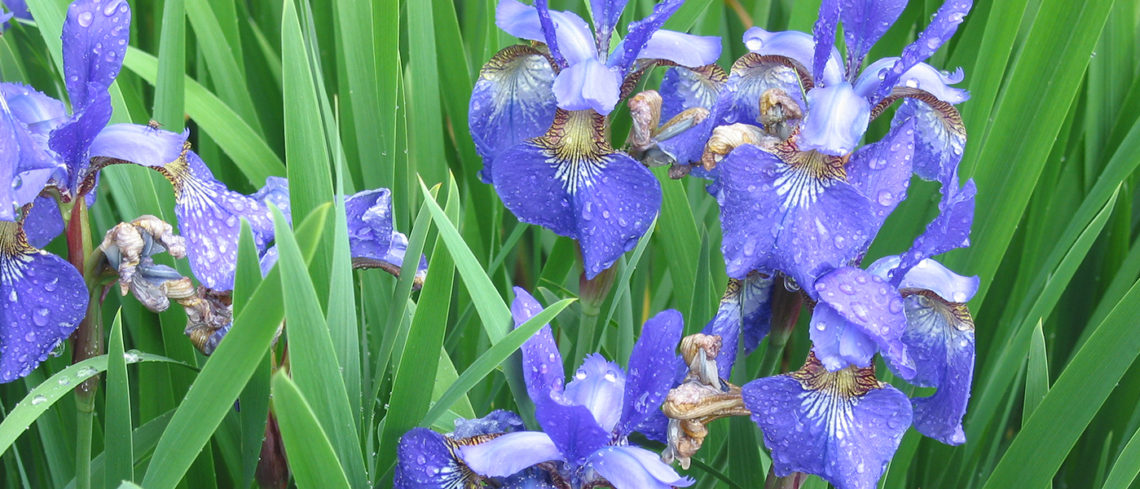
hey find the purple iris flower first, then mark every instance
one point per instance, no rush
(808, 199)
(17, 9)
(843, 426)
(429, 460)
(587, 421)
(538, 120)
(745, 311)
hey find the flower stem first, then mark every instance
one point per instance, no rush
(592, 293)
(786, 305)
(87, 341)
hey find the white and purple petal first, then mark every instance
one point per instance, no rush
(573, 428)
(138, 144)
(42, 300)
(276, 192)
(744, 313)
(779, 217)
(843, 430)
(95, 37)
(835, 120)
(425, 461)
(684, 49)
(598, 385)
(588, 84)
(651, 369)
(796, 45)
(749, 79)
(921, 76)
(39, 112)
(869, 303)
(630, 467)
(495, 422)
(509, 454)
(940, 139)
(513, 100)
(605, 14)
(573, 38)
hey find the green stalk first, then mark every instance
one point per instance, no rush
(87, 342)
(786, 305)
(592, 293)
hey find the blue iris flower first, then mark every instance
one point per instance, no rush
(586, 422)
(538, 118)
(805, 198)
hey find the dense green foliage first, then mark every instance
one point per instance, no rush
(349, 94)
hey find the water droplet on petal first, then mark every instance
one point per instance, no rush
(84, 19)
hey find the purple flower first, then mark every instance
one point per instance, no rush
(429, 460)
(587, 421)
(745, 309)
(843, 426)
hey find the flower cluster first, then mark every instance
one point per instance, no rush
(782, 138)
(49, 165)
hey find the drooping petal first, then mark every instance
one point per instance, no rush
(940, 138)
(796, 45)
(574, 40)
(940, 337)
(369, 214)
(508, 454)
(138, 144)
(837, 342)
(605, 14)
(684, 49)
(598, 385)
(630, 467)
(744, 309)
(209, 216)
(39, 112)
(72, 138)
(424, 460)
(835, 120)
(651, 372)
(44, 222)
(872, 305)
(276, 192)
(572, 182)
(842, 426)
(639, 34)
(95, 38)
(42, 299)
(949, 230)
(823, 33)
(751, 76)
(683, 89)
(542, 363)
(881, 170)
(782, 217)
(588, 84)
(864, 22)
(513, 100)
(940, 30)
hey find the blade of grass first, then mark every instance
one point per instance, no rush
(169, 91)
(117, 434)
(311, 457)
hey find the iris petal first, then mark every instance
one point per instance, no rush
(513, 100)
(744, 309)
(940, 139)
(940, 30)
(72, 138)
(823, 33)
(881, 170)
(779, 217)
(867, 302)
(751, 76)
(42, 300)
(940, 337)
(949, 230)
(599, 385)
(44, 222)
(588, 84)
(864, 22)
(651, 373)
(575, 42)
(796, 45)
(606, 14)
(628, 467)
(141, 145)
(37, 111)
(424, 461)
(573, 428)
(95, 38)
(835, 120)
(542, 363)
(505, 455)
(837, 342)
(843, 430)
(684, 49)
(640, 33)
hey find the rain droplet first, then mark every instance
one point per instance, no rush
(84, 19)
(39, 399)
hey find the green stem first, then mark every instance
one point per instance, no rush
(87, 341)
(84, 422)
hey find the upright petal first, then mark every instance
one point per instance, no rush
(630, 467)
(823, 32)
(606, 14)
(835, 120)
(801, 218)
(842, 426)
(42, 299)
(598, 385)
(508, 454)
(209, 216)
(684, 49)
(138, 144)
(940, 337)
(37, 111)
(639, 34)
(870, 304)
(95, 38)
(542, 363)
(651, 369)
(574, 183)
(588, 84)
(72, 138)
(940, 30)
(513, 100)
(572, 428)
(881, 170)
(573, 40)
(864, 22)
